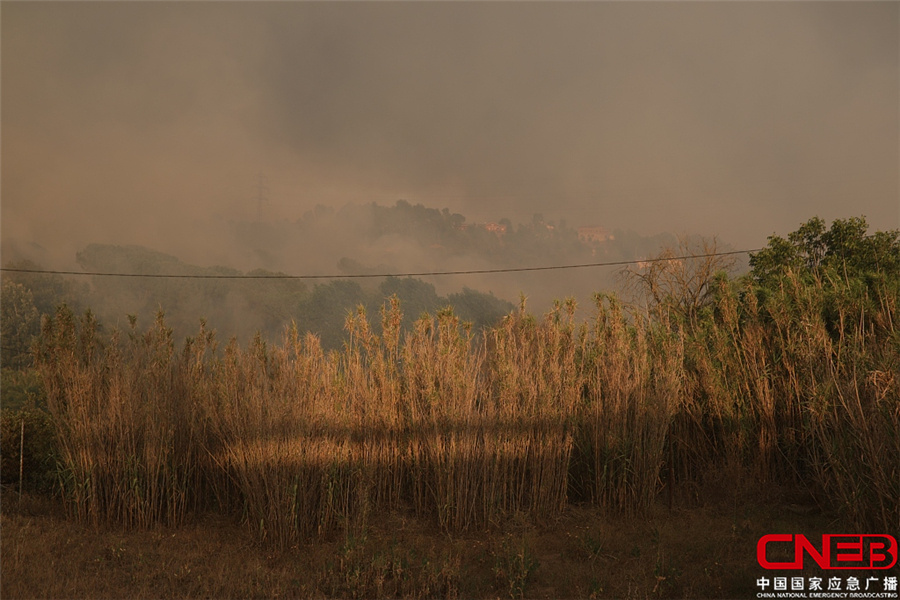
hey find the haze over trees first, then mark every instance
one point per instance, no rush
(355, 240)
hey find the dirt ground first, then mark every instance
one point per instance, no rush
(704, 547)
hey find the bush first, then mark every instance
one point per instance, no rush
(21, 388)
(39, 449)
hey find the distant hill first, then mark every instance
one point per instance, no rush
(405, 237)
(368, 239)
(241, 307)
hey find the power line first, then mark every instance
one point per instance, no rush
(619, 263)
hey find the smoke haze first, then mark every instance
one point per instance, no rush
(147, 123)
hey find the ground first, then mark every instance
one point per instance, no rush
(703, 547)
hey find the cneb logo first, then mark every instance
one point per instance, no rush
(837, 551)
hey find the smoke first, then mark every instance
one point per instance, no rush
(147, 122)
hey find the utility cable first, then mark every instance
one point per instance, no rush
(619, 263)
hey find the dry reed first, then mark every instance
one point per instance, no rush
(469, 429)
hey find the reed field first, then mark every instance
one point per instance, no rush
(799, 386)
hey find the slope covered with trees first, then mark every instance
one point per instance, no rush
(240, 307)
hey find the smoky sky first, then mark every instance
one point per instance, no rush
(133, 122)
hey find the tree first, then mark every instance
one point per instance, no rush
(814, 252)
(48, 290)
(481, 309)
(19, 324)
(325, 311)
(679, 282)
(416, 297)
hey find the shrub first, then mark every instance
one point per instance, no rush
(39, 453)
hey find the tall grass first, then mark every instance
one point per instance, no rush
(469, 429)
(126, 432)
(801, 387)
(632, 386)
(843, 377)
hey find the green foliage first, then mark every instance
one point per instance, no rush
(242, 308)
(795, 369)
(514, 565)
(21, 388)
(416, 296)
(814, 252)
(19, 324)
(480, 309)
(358, 571)
(38, 447)
(48, 290)
(325, 311)
(850, 268)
